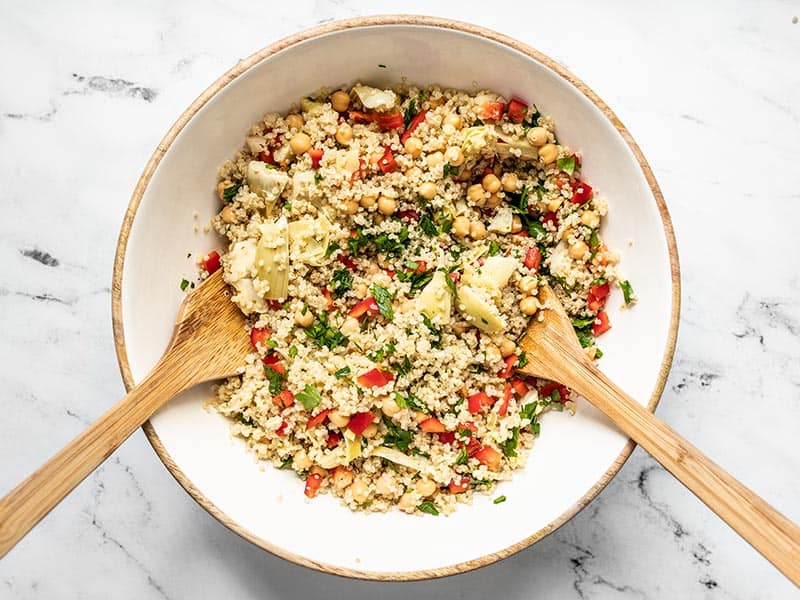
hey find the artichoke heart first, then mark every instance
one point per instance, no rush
(375, 99)
(352, 444)
(309, 239)
(435, 299)
(267, 182)
(479, 309)
(477, 138)
(272, 259)
(499, 269)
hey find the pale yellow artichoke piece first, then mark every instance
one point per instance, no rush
(272, 259)
(479, 310)
(435, 300)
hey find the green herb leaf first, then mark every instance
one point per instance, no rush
(309, 397)
(509, 447)
(275, 380)
(598, 353)
(331, 249)
(627, 291)
(292, 351)
(499, 500)
(343, 372)
(341, 281)
(528, 411)
(428, 507)
(536, 230)
(384, 301)
(322, 334)
(184, 284)
(463, 456)
(436, 333)
(409, 113)
(494, 248)
(566, 164)
(229, 193)
(582, 323)
(286, 463)
(317, 177)
(396, 436)
(427, 226)
(522, 360)
(594, 240)
(523, 199)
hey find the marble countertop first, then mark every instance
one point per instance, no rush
(711, 94)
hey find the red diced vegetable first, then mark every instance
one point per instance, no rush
(473, 447)
(390, 120)
(347, 261)
(551, 218)
(359, 422)
(520, 387)
(517, 109)
(455, 276)
(284, 399)
(259, 335)
(313, 483)
(547, 390)
(273, 361)
(432, 425)
(375, 378)
(601, 324)
(276, 304)
(211, 262)
(492, 111)
(422, 266)
(533, 258)
(408, 215)
(367, 306)
(506, 371)
(333, 439)
(387, 163)
(507, 393)
(281, 431)
(581, 192)
(467, 428)
(360, 117)
(419, 118)
(600, 291)
(447, 437)
(328, 296)
(316, 157)
(477, 401)
(266, 156)
(459, 486)
(490, 457)
(317, 419)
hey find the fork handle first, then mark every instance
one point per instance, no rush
(24, 506)
(767, 530)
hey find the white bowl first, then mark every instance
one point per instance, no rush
(574, 458)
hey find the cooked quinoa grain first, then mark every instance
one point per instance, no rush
(387, 247)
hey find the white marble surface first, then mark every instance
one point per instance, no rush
(712, 95)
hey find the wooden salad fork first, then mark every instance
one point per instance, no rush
(210, 341)
(554, 353)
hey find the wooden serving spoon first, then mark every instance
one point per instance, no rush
(554, 353)
(210, 341)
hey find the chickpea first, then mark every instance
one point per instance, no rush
(344, 134)
(493, 201)
(300, 143)
(589, 218)
(476, 194)
(477, 231)
(491, 183)
(228, 215)
(317, 470)
(578, 250)
(389, 407)
(360, 289)
(420, 416)
(221, 187)
(304, 319)
(407, 502)
(295, 121)
(537, 136)
(338, 419)
(387, 206)
(359, 491)
(428, 190)
(351, 326)
(413, 146)
(414, 173)
(434, 160)
(340, 101)
(548, 153)
(507, 347)
(385, 484)
(516, 224)
(301, 460)
(370, 431)
(425, 487)
(460, 226)
(368, 200)
(342, 477)
(509, 181)
(493, 354)
(350, 207)
(406, 307)
(454, 120)
(528, 305)
(454, 156)
(527, 285)
(554, 204)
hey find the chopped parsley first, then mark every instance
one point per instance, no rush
(409, 113)
(522, 360)
(436, 333)
(566, 164)
(229, 193)
(396, 436)
(331, 249)
(536, 230)
(509, 447)
(292, 351)
(322, 334)
(627, 291)
(184, 284)
(428, 507)
(382, 66)
(594, 240)
(275, 380)
(309, 397)
(410, 401)
(341, 281)
(494, 248)
(598, 353)
(343, 372)
(384, 301)
(403, 368)
(463, 456)
(499, 500)
(448, 170)
(427, 226)
(317, 177)
(286, 463)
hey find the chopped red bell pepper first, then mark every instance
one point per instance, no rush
(551, 218)
(547, 390)
(285, 399)
(601, 324)
(360, 117)
(455, 276)
(473, 447)
(598, 294)
(533, 258)
(367, 306)
(581, 192)
(313, 483)
(478, 401)
(422, 266)
(273, 361)
(447, 437)
(490, 457)
(281, 431)
(328, 296)
(259, 335)
(347, 261)
(460, 486)
(360, 421)
(266, 156)
(418, 118)
(317, 419)
(276, 304)
(432, 425)
(507, 393)
(211, 262)
(467, 429)
(520, 387)
(517, 109)
(333, 439)
(506, 371)
(375, 378)
(387, 121)
(316, 157)
(387, 163)
(492, 111)
(408, 215)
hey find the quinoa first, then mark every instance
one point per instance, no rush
(388, 247)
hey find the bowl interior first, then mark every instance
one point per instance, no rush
(573, 453)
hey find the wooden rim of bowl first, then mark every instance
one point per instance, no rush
(169, 138)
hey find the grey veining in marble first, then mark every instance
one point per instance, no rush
(711, 91)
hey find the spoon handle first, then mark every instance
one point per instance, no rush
(24, 506)
(767, 530)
